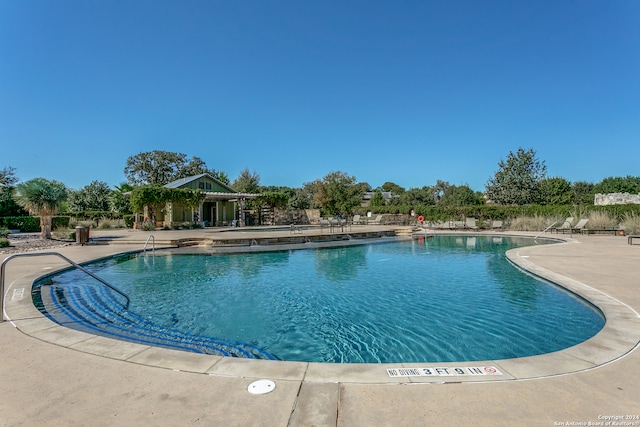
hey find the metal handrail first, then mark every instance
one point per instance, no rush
(74, 264)
(153, 245)
(545, 230)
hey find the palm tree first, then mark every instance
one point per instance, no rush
(43, 198)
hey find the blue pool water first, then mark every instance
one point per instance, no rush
(445, 299)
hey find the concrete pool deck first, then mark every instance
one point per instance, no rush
(59, 376)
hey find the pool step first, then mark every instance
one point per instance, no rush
(96, 309)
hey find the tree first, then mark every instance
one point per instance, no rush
(161, 167)
(417, 197)
(378, 199)
(392, 187)
(197, 166)
(628, 184)
(338, 193)
(92, 197)
(247, 182)
(8, 177)
(438, 190)
(8, 205)
(303, 197)
(582, 193)
(460, 196)
(555, 191)
(118, 202)
(43, 198)
(516, 182)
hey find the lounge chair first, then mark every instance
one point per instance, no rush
(579, 227)
(325, 223)
(566, 225)
(376, 221)
(470, 224)
(338, 224)
(355, 220)
(445, 225)
(497, 225)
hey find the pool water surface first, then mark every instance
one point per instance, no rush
(440, 299)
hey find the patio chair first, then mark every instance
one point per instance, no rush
(470, 224)
(325, 223)
(566, 225)
(355, 220)
(497, 225)
(579, 227)
(376, 221)
(336, 223)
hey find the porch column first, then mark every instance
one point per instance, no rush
(241, 213)
(224, 212)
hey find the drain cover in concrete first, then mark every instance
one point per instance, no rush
(261, 387)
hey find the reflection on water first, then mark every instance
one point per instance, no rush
(338, 264)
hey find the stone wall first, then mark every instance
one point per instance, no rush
(297, 216)
(616, 199)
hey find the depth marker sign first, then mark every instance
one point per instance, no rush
(444, 371)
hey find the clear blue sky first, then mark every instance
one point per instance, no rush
(402, 91)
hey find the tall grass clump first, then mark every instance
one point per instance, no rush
(64, 234)
(578, 213)
(530, 223)
(601, 220)
(4, 242)
(4, 232)
(631, 223)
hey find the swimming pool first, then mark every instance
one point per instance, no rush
(449, 298)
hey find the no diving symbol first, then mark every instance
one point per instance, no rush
(490, 370)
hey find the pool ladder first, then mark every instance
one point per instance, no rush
(153, 245)
(73, 264)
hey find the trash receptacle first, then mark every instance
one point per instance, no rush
(82, 235)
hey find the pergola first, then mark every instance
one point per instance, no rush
(221, 197)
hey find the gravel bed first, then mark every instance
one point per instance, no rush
(28, 242)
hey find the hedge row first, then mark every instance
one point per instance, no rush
(31, 224)
(495, 212)
(85, 215)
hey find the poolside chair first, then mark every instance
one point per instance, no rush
(497, 225)
(579, 227)
(325, 223)
(470, 224)
(336, 223)
(355, 220)
(566, 225)
(376, 221)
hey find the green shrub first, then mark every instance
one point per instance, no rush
(26, 224)
(4, 242)
(148, 226)
(128, 220)
(4, 232)
(60, 222)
